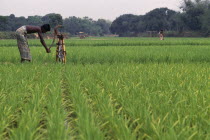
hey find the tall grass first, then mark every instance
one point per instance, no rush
(159, 101)
(107, 41)
(117, 54)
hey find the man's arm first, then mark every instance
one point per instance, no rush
(43, 42)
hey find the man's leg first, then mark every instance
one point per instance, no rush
(23, 48)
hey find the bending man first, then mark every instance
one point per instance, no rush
(22, 42)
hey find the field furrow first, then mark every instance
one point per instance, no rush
(85, 120)
(69, 107)
(111, 123)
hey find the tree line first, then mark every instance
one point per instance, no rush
(193, 16)
(72, 25)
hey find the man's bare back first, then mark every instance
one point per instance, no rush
(33, 29)
(39, 29)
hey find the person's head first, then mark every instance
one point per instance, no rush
(45, 28)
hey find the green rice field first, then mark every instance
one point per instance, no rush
(109, 89)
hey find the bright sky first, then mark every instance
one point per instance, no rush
(95, 9)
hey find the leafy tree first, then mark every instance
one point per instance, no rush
(206, 21)
(104, 25)
(89, 26)
(3, 23)
(141, 25)
(74, 25)
(11, 22)
(159, 18)
(53, 19)
(125, 25)
(193, 12)
(34, 20)
(177, 24)
(20, 21)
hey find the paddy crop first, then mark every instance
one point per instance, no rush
(110, 88)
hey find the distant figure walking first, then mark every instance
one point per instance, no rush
(22, 42)
(161, 35)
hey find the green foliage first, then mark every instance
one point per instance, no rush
(125, 25)
(205, 22)
(52, 19)
(158, 19)
(72, 25)
(3, 22)
(104, 25)
(87, 25)
(155, 20)
(110, 88)
(196, 15)
(35, 20)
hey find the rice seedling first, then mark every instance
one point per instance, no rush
(110, 88)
